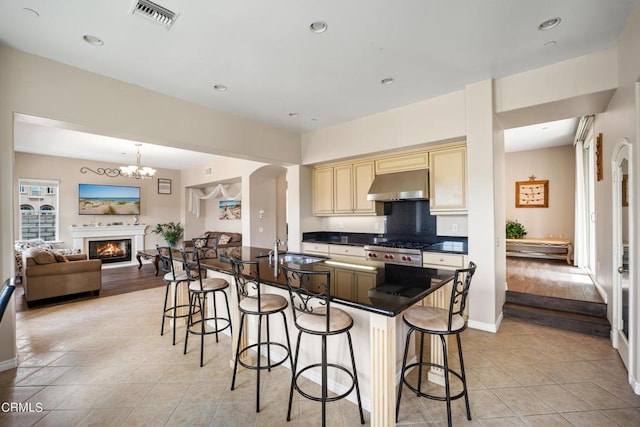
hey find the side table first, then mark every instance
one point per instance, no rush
(148, 254)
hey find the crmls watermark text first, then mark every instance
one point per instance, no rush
(20, 407)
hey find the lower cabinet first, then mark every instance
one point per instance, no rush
(443, 260)
(354, 284)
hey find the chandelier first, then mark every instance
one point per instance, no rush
(137, 171)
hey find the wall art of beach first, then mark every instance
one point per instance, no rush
(96, 199)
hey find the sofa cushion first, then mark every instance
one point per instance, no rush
(60, 257)
(41, 255)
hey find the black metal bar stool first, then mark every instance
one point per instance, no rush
(441, 322)
(171, 277)
(253, 302)
(312, 312)
(200, 287)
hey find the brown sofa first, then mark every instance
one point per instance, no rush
(235, 239)
(48, 275)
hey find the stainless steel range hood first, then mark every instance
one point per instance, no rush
(400, 186)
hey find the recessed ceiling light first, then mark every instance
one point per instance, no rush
(92, 40)
(220, 88)
(387, 81)
(549, 24)
(550, 43)
(313, 119)
(318, 27)
(31, 12)
(293, 114)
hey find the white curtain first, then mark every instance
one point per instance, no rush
(581, 232)
(580, 244)
(197, 194)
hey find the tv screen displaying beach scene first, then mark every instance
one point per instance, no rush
(94, 199)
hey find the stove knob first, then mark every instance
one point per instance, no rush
(372, 255)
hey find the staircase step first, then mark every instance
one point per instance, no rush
(554, 303)
(586, 324)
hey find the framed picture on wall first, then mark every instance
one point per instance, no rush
(164, 186)
(532, 194)
(230, 209)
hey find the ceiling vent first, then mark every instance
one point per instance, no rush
(155, 12)
(208, 171)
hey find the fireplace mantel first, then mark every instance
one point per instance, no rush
(82, 235)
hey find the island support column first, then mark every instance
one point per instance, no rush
(383, 370)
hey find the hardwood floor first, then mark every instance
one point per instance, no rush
(551, 278)
(115, 281)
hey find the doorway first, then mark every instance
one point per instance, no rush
(623, 292)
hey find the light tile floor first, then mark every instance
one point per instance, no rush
(102, 362)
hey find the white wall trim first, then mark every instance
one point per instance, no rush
(5, 365)
(487, 327)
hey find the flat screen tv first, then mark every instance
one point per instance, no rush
(94, 199)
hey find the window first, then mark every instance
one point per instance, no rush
(38, 209)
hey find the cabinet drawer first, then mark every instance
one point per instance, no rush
(442, 260)
(347, 250)
(315, 248)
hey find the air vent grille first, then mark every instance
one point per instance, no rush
(155, 12)
(208, 171)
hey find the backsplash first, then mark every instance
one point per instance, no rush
(410, 220)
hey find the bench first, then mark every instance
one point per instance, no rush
(548, 248)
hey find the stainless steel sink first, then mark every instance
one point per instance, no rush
(294, 258)
(298, 259)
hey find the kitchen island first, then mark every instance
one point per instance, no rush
(378, 332)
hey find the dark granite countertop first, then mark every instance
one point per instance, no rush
(384, 299)
(454, 245)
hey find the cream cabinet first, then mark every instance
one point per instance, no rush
(443, 260)
(341, 189)
(347, 252)
(322, 181)
(448, 180)
(402, 162)
(315, 248)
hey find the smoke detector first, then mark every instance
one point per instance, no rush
(154, 12)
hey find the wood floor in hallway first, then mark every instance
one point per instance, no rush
(553, 278)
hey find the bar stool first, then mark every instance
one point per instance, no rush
(199, 288)
(310, 292)
(253, 302)
(440, 322)
(171, 277)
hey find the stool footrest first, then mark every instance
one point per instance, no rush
(192, 329)
(418, 392)
(174, 309)
(267, 365)
(329, 398)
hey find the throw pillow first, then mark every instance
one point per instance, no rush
(60, 257)
(41, 255)
(200, 242)
(224, 239)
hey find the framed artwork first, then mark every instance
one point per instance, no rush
(532, 194)
(599, 174)
(230, 209)
(164, 186)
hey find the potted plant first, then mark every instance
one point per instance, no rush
(172, 232)
(515, 230)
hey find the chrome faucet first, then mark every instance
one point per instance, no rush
(273, 254)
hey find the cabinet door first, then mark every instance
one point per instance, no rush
(323, 191)
(363, 175)
(364, 282)
(342, 283)
(402, 162)
(343, 189)
(448, 180)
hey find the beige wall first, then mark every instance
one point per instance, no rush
(155, 208)
(556, 164)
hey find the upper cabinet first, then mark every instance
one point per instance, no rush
(402, 162)
(342, 189)
(322, 179)
(448, 180)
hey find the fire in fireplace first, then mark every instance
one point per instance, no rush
(112, 250)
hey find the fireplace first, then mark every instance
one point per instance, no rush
(109, 251)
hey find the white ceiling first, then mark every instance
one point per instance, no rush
(273, 65)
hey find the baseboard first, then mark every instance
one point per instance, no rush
(487, 327)
(5, 365)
